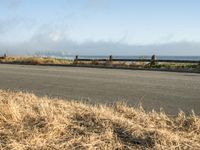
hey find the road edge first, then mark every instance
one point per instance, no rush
(108, 67)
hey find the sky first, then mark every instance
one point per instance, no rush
(100, 27)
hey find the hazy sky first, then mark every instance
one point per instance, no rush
(101, 27)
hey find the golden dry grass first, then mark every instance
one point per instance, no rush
(55, 61)
(146, 65)
(34, 60)
(33, 123)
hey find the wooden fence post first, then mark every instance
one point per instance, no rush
(110, 58)
(4, 55)
(76, 59)
(153, 60)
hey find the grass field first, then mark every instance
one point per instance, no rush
(163, 65)
(30, 122)
(34, 60)
(144, 65)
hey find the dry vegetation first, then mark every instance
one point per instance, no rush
(165, 65)
(143, 65)
(29, 122)
(33, 60)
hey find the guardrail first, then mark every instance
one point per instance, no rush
(152, 60)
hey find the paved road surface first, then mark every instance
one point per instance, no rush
(172, 91)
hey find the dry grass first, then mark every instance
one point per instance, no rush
(29, 122)
(55, 61)
(33, 60)
(165, 65)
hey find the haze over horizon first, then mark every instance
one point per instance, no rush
(100, 27)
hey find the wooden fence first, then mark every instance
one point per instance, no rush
(152, 60)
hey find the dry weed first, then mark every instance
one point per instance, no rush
(28, 122)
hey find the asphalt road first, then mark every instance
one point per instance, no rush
(169, 90)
